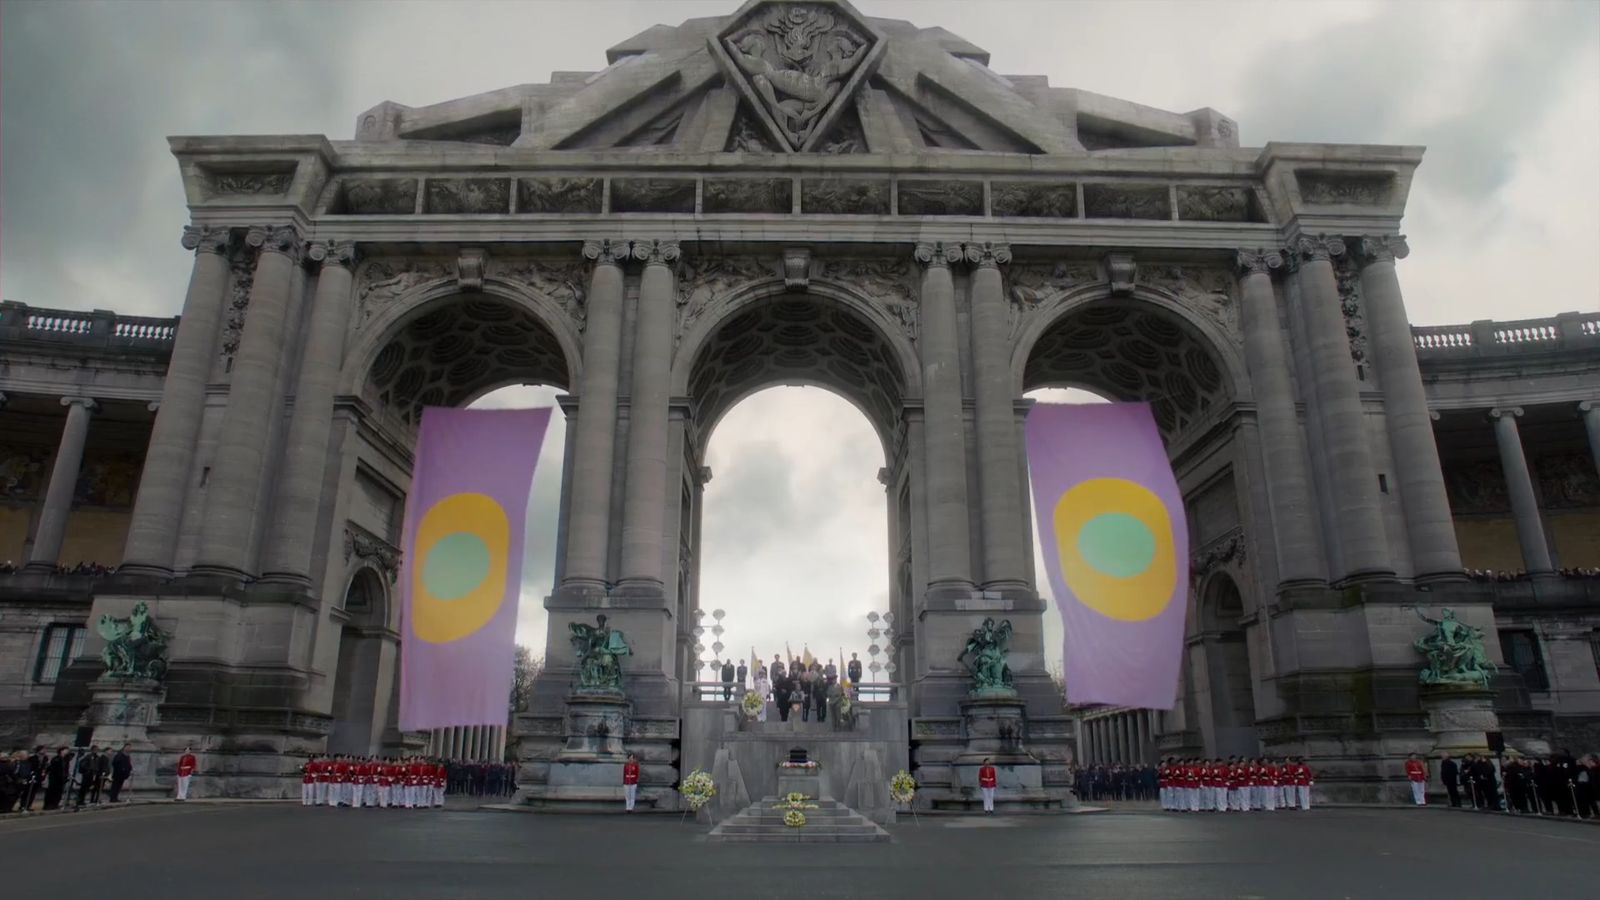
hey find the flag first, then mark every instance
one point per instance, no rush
(461, 574)
(806, 658)
(1116, 549)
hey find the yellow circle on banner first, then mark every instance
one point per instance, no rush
(1114, 541)
(458, 567)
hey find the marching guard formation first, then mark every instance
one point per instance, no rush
(1235, 784)
(382, 782)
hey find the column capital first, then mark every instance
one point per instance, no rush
(86, 402)
(1499, 412)
(1257, 261)
(344, 254)
(607, 251)
(206, 238)
(988, 254)
(656, 252)
(936, 254)
(284, 239)
(1381, 248)
(1318, 248)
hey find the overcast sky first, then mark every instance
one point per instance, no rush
(1504, 216)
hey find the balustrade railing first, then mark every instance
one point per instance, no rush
(20, 323)
(1486, 336)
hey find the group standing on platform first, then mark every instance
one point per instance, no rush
(1235, 784)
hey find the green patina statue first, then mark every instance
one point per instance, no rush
(985, 657)
(1454, 652)
(135, 647)
(600, 651)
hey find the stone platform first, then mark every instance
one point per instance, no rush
(830, 822)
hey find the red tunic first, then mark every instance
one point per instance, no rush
(630, 773)
(308, 772)
(987, 777)
(186, 765)
(1415, 770)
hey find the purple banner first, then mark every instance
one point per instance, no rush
(461, 573)
(1116, 549)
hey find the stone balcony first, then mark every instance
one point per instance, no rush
(1485, 339)
(93, 331)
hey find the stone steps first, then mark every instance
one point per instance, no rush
(830, 822)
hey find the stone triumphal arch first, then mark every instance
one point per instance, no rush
(795, 193)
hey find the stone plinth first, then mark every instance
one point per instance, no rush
(1459, 717)
(993, 726)
(596, 724)
(122, 711)
(810, 782)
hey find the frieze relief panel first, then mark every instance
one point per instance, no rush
(705, 281)
(661, 195)
(920, 197)
(1477, 488)
(1197, 203)
(1032, 284)
(1334, 189)
(468, 195)
(1127, 201)
(1209, 291)
(845, 196)
(559, 195)
(237, 184)
(886, 281)
(1035, 200)
(386, 279)
(378, 196)
(748, 195)
(1567, 481)
(564, 283)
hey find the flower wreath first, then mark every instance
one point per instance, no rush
(902, 787)
(697, 789)
(752, 702)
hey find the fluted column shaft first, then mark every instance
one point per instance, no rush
(644, 505)
(169, 460)
(594, 435)
(1591, 423)
(63, 482)
(1300, 558)
(305, 463)
(1519, 486)
(234, 494)
(1004, 550)
(1357, 512)
(944, 427)
(1429, 524)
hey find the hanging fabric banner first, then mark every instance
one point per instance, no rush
(461, 573)
(1116, 549)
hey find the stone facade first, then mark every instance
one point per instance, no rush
(798, 193)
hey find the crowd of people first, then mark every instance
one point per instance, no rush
(68, 778)
(1235, 784)
(1115, 782)
(1554, 785)
(1520, 575)
(83, 568)
(412, 782)
(480, 779)
(796, 688)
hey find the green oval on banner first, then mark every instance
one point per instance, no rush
(455, 564)
(1117, 544)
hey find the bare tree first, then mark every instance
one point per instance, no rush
(526, 669)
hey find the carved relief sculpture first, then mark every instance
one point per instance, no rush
(384, 280)
(707, 280)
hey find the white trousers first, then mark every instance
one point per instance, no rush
(183, 786)
(1419, 793)
(308, 792)
(1285, 796)
(1193, 795)
(630, 793)
(1269, 794)
(1166, 797)
(1219, 798)
(988, 799)
(1304, 793)
(330, 793)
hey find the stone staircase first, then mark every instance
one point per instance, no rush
(830, 822)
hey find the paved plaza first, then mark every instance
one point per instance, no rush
(278, 851)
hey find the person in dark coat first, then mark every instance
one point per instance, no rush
(32, 773)
(780, 693)
(121, 771)
(1450, 774)
(741, 676)
(727, 680)
(56, 773)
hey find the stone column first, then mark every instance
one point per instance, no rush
(63, 482)
(944, 426)
(234, 494)
(169, 460)
(1519, 485)
(594, 433)
(1299, 554)
(1429, 524)
(1591, 424)
(1353, 477)
(1000, 493)
(305, 463)
(644, 504)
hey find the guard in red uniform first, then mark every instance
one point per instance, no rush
(1269, 783)
(1302, 783)
(988, 780)
(630, 782)
(440, 774)
(308, 781)
(186, 768)
(1417, 774)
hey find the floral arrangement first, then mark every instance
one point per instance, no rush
(808, 764)
(902, 787)
(752, 702)
(794, 818)
(793, 802)
(697, 789)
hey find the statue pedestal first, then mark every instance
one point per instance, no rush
(804, 781)
(122, 711)
(993, 726)
(588, 769)
(1459, 717)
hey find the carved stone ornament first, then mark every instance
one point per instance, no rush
(1214, 204)
(706, 280)
(241, 277)
(924, 197)
(1127, 201)
(277, 239)
(559, 195)
(1382, 248)
(797, 65)
(564, 283)
(1207, 290)
(1333, 189)
(607, 251)
(249, 183)
(470, 265)
(206, 238)
(1032, 199)
(385, 280)
(937, 254)
(844, 196)
(988, 254)
(455, 196)
(661, 195)
(333, 253)
(1031, 285)
(360, 544)
(378, 196)
(886, 281)
(1318, 249)
(1567, 481)
(1353, 307)
(748, 195)
(1227, 548)
(656, 252)
(1122, 272)
(1258, 262)
(796, 268)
